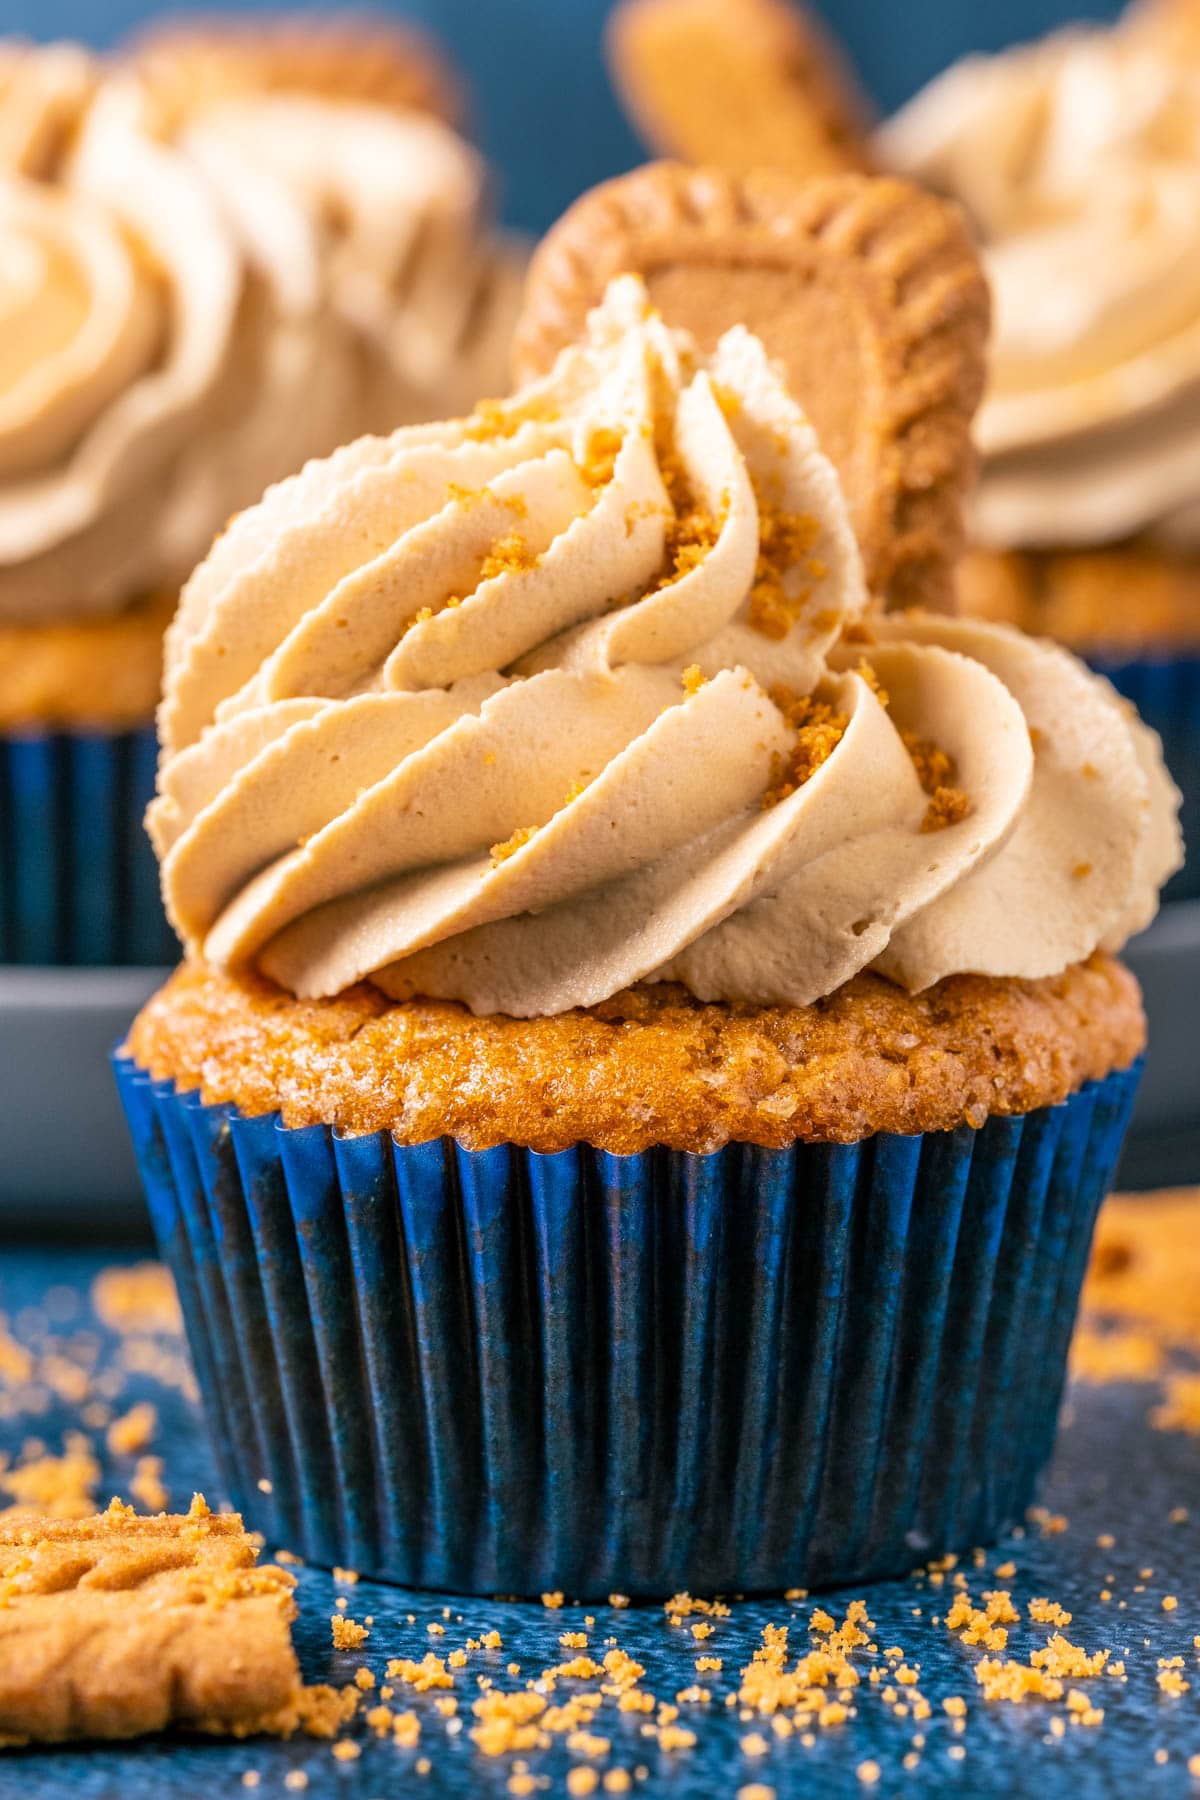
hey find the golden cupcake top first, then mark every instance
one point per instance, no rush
(652, 1066)
(582, 691)
(1078, 158)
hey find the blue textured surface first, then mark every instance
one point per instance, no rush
(78, 881)
(494, 1371)
(1166, 691)
(1111, 1475)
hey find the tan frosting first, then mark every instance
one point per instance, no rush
(493, 711)
(401, 206)
(43, 91)
(183, 322)
(163, 356)
(1079, 160)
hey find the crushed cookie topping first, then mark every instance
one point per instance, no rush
(501, 852)
(691, 533)
(498, 419)
(936, 773)
(785, 543)
(600, 457)
(729, 402)
(819, 729)
(866, 672)
(509, 555)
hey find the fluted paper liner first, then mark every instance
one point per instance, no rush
(501, 1372)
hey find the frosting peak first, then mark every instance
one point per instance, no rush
(575, 692)
(1079, 160)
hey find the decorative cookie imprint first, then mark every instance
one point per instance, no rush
(190, 65)
(117, 1625)
(739, 84)
(867, 291)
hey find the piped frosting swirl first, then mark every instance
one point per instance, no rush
(1079, 160)
(576, 692)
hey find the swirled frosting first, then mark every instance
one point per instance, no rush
(575, 692)
(43, 91)
(184, 321)
(428, 292)
(1079, 160)
(166, 351)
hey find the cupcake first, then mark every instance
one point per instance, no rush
(650, 1046)
(191, 307)
(1078, 159)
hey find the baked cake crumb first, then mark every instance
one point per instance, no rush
(650, 1066)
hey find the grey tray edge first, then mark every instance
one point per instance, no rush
(1166, 960)
(64, 1150)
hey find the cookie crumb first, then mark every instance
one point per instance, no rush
(347, 1633)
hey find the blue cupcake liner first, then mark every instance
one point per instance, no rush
(1166, 691)
(78, 881)
(501, 1372)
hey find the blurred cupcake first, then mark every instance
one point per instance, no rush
(357, 116)
(1078, 159)
(43, 91)
(650, 1049)
(188, 313)
(196, 61)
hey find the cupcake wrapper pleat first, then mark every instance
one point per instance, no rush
(1166, 691)
(500, 1372)
(78, 882)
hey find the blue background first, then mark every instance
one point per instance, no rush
(543, 109)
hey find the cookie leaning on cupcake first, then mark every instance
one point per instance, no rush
(554, 781)
(185, 324)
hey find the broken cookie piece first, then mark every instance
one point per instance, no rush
(117, 1625)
